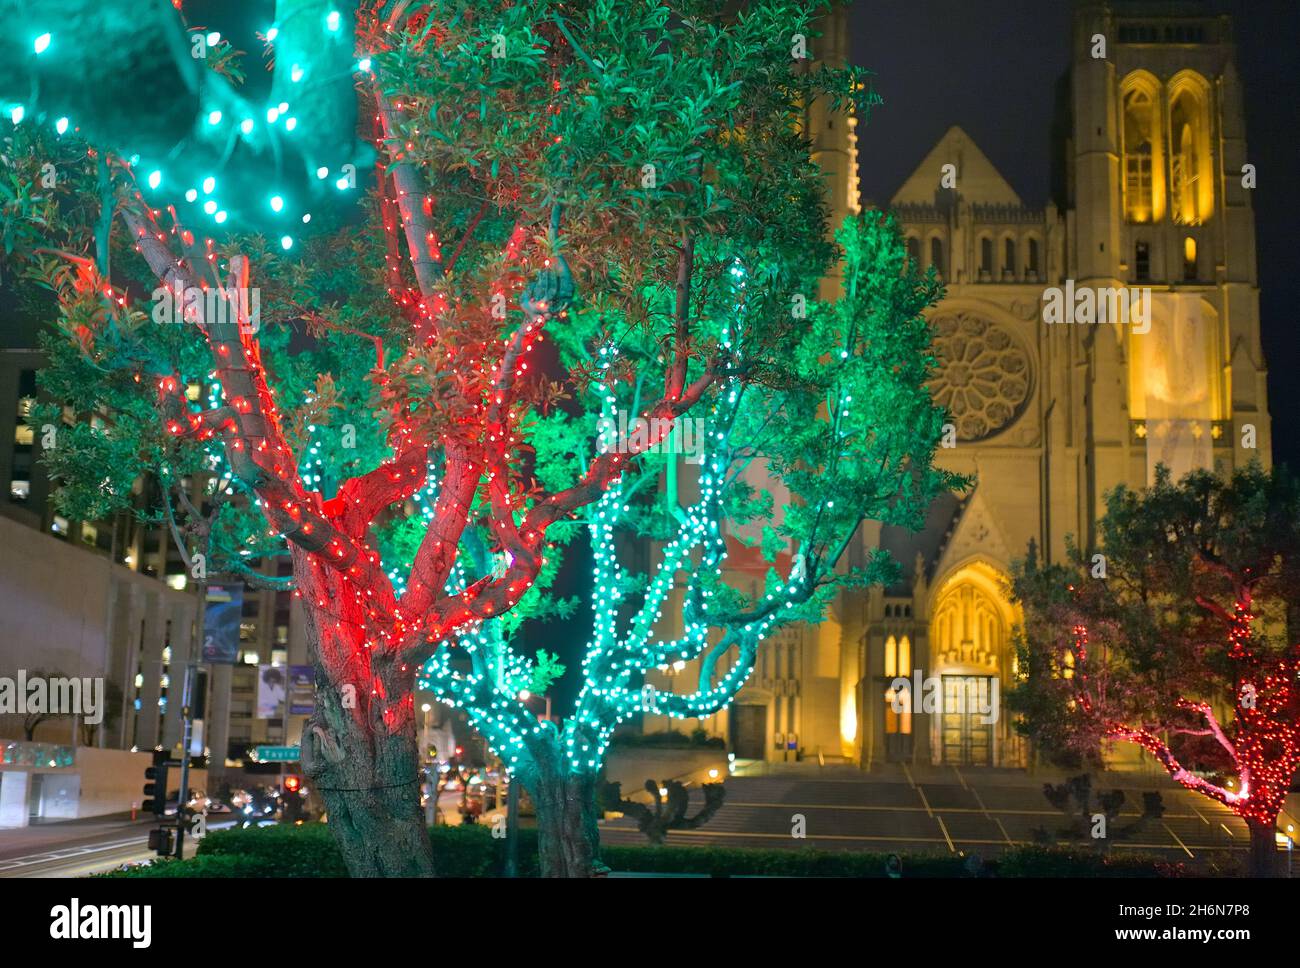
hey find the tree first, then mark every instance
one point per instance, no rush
(45, 710)
(1178, 637)
(553, 185)
(844, 425)
(670, 801)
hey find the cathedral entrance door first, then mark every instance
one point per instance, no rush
(967, 740)
(749, 731)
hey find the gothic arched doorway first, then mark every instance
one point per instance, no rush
(973, 662)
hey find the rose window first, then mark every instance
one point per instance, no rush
(982, 377)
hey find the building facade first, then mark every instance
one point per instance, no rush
(112, 599)
(1051, 404)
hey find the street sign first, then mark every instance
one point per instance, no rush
(276, 754)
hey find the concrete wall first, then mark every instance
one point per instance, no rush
(100, 781)
(54, 603)
(66, 609)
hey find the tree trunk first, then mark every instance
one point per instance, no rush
(1263, 848)
(568, 840)
(369, 782)
(360, 751)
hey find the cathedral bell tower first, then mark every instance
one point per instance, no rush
(1160, 184)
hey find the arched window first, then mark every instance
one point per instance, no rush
(1009, 258)
(1142, 149)
(1031, 258)
(1191, 185)
(898, 702)
(1139, 156)
(936, 255)
(986, 258)
(914, 249)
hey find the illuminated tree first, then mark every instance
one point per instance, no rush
(1178, 637)
(554, 185)
(840, 420)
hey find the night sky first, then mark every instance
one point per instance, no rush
(991, 67)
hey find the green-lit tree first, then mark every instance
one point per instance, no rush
(554, 182)
(842, 422)
(1177, 634)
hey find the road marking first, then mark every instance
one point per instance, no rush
(944, 828)
(921, 793)
(68, 852)
(769, 836)
(908, 773)
(960, 779)
(997, 821)
(900, 809)
(1177, 839)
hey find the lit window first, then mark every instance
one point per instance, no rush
(898, 711)
(898, 703)
(1067, 665)
(20, 490)
(24, 436)
(1139, 156)
(1191, 184)
(1189, 259)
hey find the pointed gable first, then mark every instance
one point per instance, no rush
(977, 533)
(977, 180)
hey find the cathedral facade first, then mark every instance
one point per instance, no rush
(1080, 344)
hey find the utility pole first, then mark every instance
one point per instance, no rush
(182, 796)
(191, 675)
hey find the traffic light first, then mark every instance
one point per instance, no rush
(292, 784)
(155, 790)
(160, 841)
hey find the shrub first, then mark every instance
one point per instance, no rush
(308, 850)
(472, 851)
(1039, 861)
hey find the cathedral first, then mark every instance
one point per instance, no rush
(1049, 410)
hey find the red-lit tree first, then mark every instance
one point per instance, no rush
(1178, 636)
(583, 176)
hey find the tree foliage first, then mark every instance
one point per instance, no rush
(1185, 646)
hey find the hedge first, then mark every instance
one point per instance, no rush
(472, 851)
